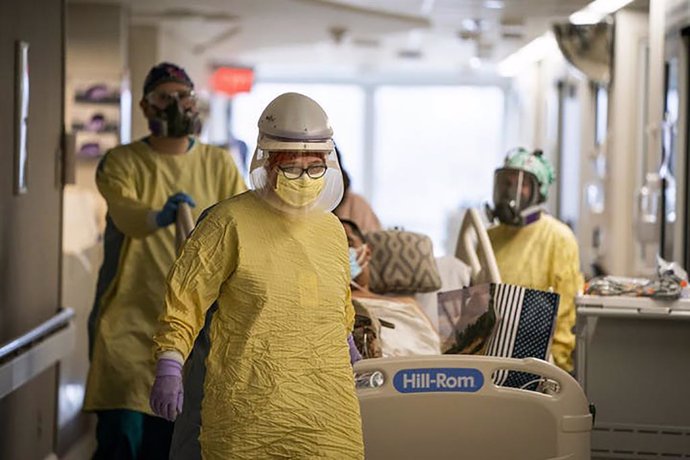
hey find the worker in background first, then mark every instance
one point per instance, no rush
(266, 275)
(144, 184)
(532, 248)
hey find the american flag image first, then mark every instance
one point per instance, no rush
(526, 321)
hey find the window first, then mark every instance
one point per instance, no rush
(435, 151)
(568, 176)
(601, 114)
(433, 148)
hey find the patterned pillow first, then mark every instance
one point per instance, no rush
(402, 262)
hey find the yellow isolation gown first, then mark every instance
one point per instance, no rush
(136, 181)
(278, 381)
(544, 255)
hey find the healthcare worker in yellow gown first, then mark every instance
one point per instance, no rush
(143, 184)
(532, 248)
(268, 273)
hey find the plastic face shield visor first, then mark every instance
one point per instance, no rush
(268, 146)
(515, 187)
(319, 153)
(185, 99)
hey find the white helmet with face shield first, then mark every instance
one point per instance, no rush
(295, 167)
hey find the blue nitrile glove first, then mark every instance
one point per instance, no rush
(168, 214)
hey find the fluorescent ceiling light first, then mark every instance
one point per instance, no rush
(596, 11)
(470, 25)
(534, 51)
(585, 17)
(493, 4)
(427, 7)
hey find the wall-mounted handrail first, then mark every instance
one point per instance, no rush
(61, 319)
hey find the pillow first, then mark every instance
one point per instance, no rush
(455, 274)
(402, 262)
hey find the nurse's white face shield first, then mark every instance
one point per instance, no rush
(295, 167)
(516, 197)
(297, 181)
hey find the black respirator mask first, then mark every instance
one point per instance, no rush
(509, 214)
(174, 121)
(511, 205)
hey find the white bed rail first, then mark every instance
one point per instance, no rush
(448, 407)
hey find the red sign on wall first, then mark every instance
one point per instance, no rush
(232, 80)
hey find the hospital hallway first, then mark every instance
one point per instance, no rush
(512, 178)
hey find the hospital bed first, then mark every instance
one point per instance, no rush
(447, 407)
(474, 249)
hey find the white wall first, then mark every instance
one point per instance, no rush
(676, 13)
(173, 48)
(532, 122)
(532, 107)
(623, 146)
(589, 220)
(143, 54)
(96, 48)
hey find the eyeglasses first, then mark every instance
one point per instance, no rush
(162, 99)
(314, 171)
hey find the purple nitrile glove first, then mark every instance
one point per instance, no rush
(354, 352)
(166, 394)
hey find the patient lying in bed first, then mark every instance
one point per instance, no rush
(404, 328)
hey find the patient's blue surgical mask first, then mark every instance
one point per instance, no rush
(355, 267)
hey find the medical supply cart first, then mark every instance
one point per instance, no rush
(633, 361)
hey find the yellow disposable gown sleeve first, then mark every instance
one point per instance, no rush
(567, 282)
(116, 182)
(349, 317)
(349, 312)
(206, 261)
